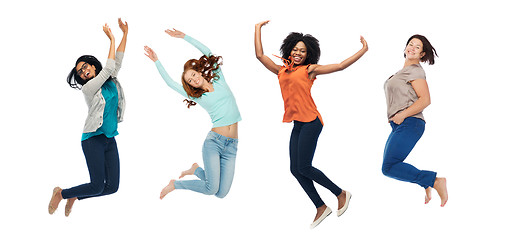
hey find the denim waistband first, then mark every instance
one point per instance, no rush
(221, 138)
(409, 121)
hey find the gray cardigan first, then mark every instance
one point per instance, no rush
(93, 94)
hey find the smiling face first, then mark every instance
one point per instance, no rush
(299, 53)
(194, 78)
(85, 70)
(414, 50)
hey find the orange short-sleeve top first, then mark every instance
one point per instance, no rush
(296, 93)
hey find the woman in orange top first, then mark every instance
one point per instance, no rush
(300, 54)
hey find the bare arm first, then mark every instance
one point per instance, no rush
(109, 34)
(421, 89)
(125, 29)
(259, 52)
(330, 68)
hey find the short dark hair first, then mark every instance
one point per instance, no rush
(428, 49)
(74, 80)
(312, 46)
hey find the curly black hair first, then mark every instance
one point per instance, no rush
(312, 46)
(428, 49)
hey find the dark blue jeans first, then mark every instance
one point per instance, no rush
(103, 163)
(303, 142)
(400, 143)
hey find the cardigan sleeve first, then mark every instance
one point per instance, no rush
(119, 60)
(94, 84)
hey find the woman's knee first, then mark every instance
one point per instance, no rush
(114, 188)
(222, 194)
(385, 170)
(212, 188)
(306, 171)
(97, 187)
(295, 171)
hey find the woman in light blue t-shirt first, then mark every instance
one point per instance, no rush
(202, 82)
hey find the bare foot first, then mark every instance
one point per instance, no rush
(342, 198)
(320, 211)
(427, 198)
(55, 200)
(189, 171)
(441, 186)
(68, 206)
(167, 189)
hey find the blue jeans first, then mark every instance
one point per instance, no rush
(103, 162)
(303, 142)
(400, 143)
(219, 157)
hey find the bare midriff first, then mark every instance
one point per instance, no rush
(230, 131)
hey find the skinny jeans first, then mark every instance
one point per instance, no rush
(103, 162)
(219, 158)
(303, 142)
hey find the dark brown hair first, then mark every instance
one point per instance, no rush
(428, 49)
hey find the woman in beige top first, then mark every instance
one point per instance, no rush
(407, 95)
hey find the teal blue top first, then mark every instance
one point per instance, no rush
(110, 124)
(220, 104)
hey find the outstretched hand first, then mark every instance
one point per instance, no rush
(363, 41)
(150, 53)
(175, 33)
(107, 31)
(261, 24)
(123, 26)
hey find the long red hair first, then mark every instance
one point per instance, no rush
(206, 65)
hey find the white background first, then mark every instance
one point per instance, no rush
(42, 120)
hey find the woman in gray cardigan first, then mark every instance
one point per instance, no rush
(106, 104)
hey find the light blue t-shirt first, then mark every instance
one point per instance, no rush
(220, 104)
(110, 122)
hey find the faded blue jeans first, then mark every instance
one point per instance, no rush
(219, 157)
(400, 143)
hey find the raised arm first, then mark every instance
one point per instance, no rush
(110, 35)
(168, 80)
(259, 52)
(121, 48)
(330, 68)
(94, 84)
(125, 29)
(178, 34)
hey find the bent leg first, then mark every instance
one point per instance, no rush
(112, 165)
(307, 145)
(93, 149)
(227, 167)
(209, 176)
(400, 143)
(295, 161)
